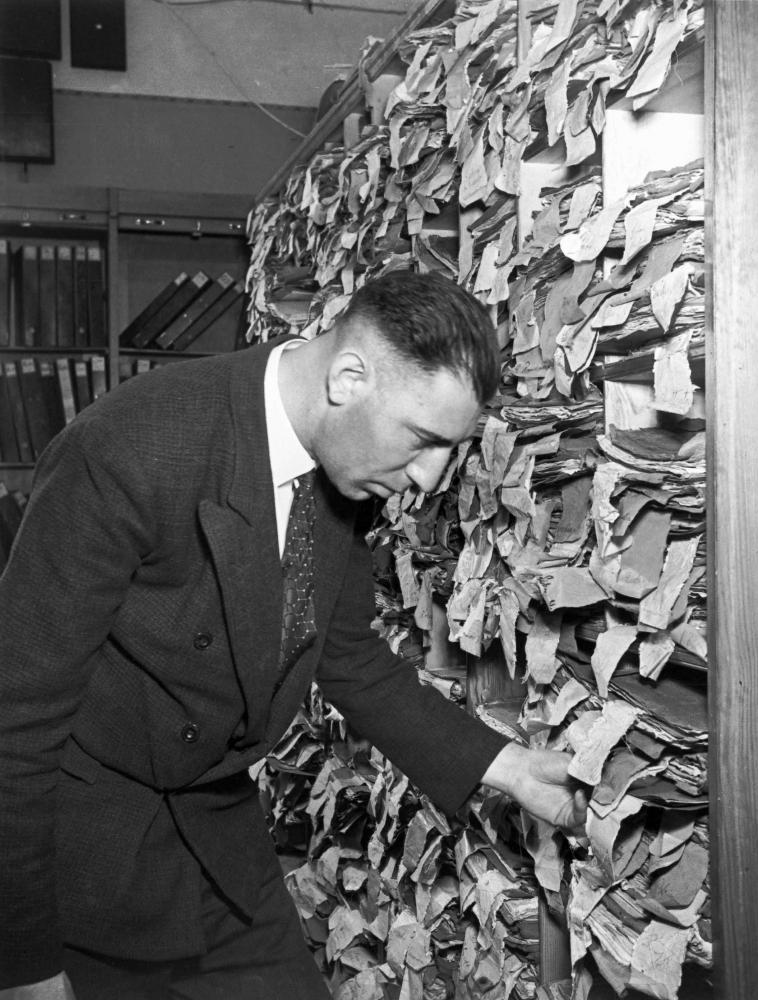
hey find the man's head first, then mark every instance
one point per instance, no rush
(400, 382)
(430, 322)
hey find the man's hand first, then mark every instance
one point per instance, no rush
(57, 988)
(539, 781)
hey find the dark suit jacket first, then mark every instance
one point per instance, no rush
(140, 619)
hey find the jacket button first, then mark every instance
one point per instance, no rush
(191, 732)
(202, 640)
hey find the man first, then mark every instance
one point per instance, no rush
(141, 651)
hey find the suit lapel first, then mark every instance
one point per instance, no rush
(249, 576)
(242, 537)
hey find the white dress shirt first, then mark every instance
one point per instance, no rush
(288, 457)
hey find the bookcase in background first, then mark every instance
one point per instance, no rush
(77, 266)
(162, 235)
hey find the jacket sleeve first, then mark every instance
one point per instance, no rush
(435, 743)
(84, 532)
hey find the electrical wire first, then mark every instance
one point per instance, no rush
(237, 86)
(311, 6)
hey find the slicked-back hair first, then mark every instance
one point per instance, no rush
(430, 321)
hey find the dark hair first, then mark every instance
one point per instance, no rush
(432, 322)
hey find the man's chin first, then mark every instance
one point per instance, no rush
(361, 491)
(354, 491)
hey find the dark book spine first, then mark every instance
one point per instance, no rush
(12, 511)
(81, 312)
(27, 295)
(96, 298)
(82, 387)
(10, 519)
(66, 386)
(173, 308)
(125, 369)
(156, 303)
(194, 310)
(219, 307)
(5, 293)
(8, 446)
(51, 393)
(34, 406)
(23, 440)
(65, 335)
(47, 296)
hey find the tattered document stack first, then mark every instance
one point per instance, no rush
(573, 544)
(449, 905)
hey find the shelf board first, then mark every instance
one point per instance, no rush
(16, 349)
(146, 352)
(28, 207)
(639, 367)
(588, 632)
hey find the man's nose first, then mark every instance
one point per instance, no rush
(427, 468)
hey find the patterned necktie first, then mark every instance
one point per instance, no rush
(298, 615)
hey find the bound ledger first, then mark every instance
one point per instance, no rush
(173, 307)
(160, 300)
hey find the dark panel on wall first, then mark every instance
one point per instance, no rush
(98, 34)
(26, 110)
(30, 28)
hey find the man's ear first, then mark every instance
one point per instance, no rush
(348, 376)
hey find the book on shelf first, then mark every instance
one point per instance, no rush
(5, 293)
(8, 444)
(224, 302)
(66, 389)
(35, 406)
(18, 413)
(156, 303)
(81, 297)
(11, 513)
(82, 388)
(64, 288)
(47, 297)
(173, 307)
(26, 281)
(98, 378)
(52, 395)
(96, 331)
(179, 326)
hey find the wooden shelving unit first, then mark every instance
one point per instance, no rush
(146, 239)
(702, 110)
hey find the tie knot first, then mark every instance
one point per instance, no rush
(303, 485)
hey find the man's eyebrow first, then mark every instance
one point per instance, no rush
(432, 438)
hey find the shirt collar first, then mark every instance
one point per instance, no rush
(288, 457)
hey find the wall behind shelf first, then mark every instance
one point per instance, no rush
(162, 144)
(275, 53)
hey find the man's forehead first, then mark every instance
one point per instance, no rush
(440, 405)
